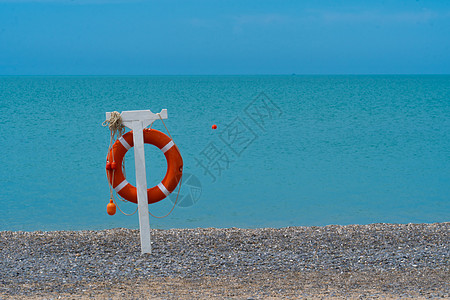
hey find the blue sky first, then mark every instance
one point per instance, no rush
(223, 37)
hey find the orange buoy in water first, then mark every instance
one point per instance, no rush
(214, 126)
(111, 208)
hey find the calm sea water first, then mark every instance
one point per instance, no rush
(288, 150)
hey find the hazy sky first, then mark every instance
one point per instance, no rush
(224, 37)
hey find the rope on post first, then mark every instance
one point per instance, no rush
(115, 125)
(117, 129)
(179, 183)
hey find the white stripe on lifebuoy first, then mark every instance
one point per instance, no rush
(163, 189)
(124, 143)
(167, 147)
(121, 186)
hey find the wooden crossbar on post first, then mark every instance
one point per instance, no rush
(137, 120)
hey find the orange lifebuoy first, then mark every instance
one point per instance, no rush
(174, 166)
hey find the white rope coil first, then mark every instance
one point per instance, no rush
(115, 125)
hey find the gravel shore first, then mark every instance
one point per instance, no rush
(354, 261)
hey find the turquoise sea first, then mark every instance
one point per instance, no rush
(288, 150)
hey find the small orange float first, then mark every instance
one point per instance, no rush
(111, 208)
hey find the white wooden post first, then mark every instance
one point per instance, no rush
(137, 120)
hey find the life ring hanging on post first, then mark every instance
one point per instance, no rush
(174, 166)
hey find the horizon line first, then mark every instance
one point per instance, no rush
(263, 74)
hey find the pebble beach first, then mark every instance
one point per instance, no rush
(354, 261)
